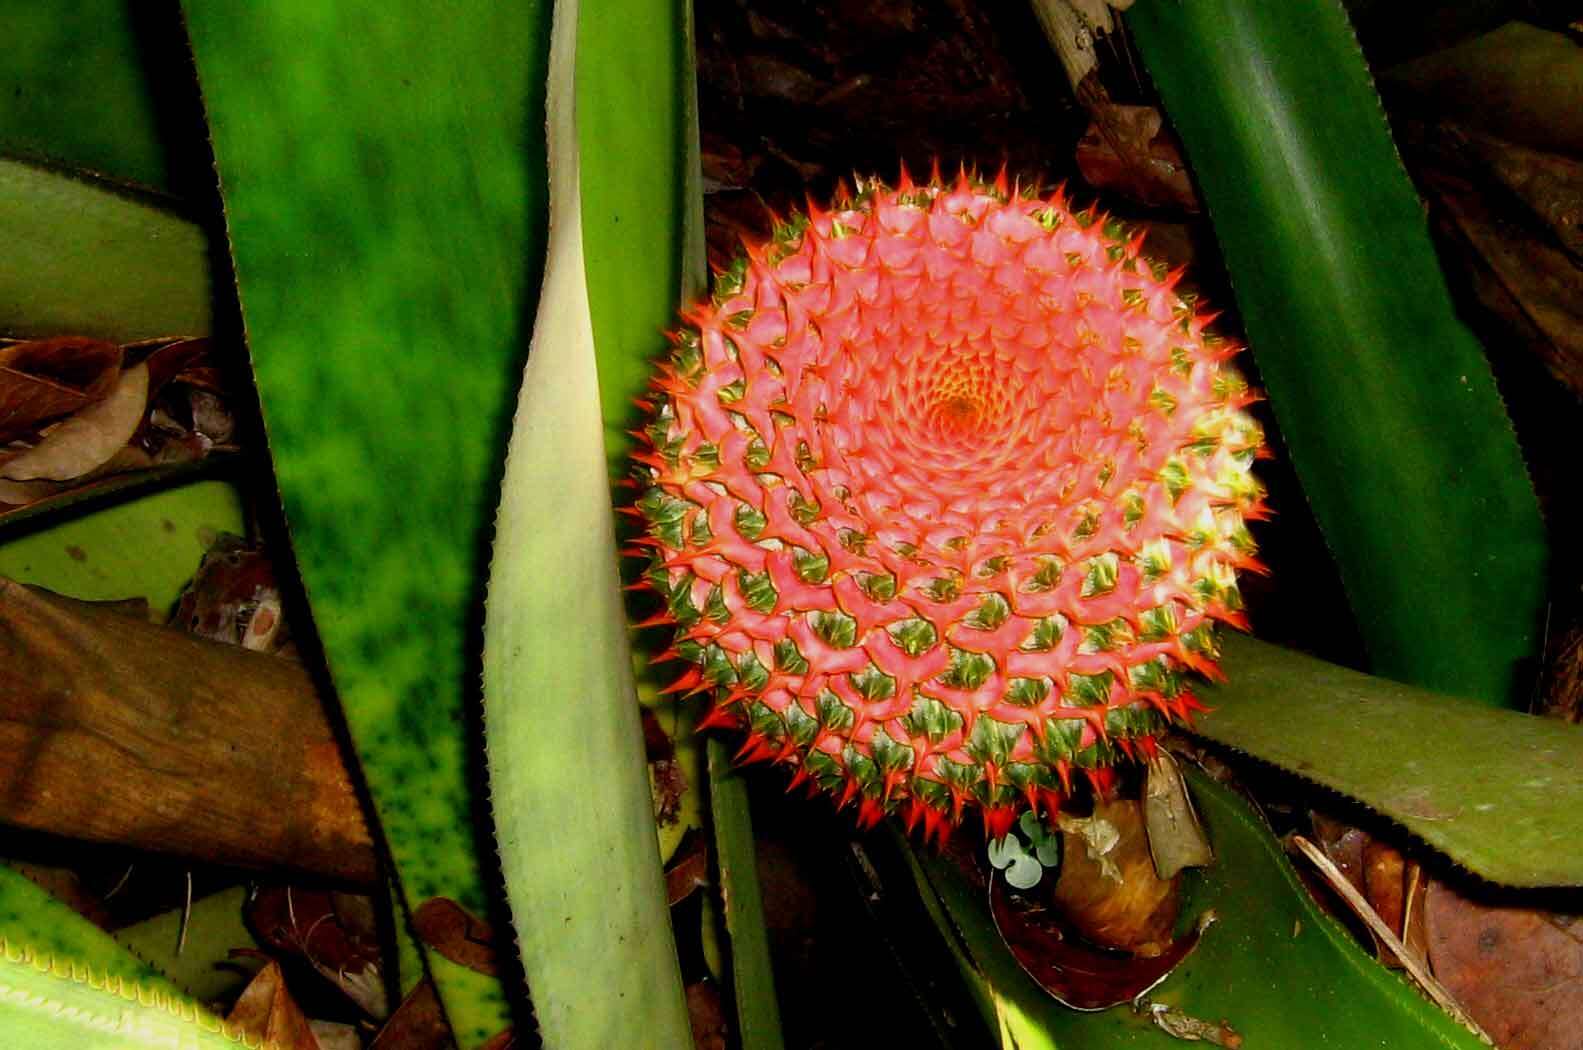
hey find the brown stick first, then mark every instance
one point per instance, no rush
(115, 730)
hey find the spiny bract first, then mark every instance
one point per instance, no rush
(944, 489)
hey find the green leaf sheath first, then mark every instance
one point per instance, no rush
(86, 258)
(1385, 400)
(1278, 969)
(1500, 792)
(382, 167)
(568, 776)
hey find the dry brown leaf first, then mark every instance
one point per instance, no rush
(708, 1016)
(455, 933)
(335, 1036)
(44, 379)
(1126, 150)
(689, 868)
(1108, 888)
(336, 933)
(233, 597)
(1517, 971)
(418, 1023)
(266, 1011)
(89, 438)
(1549, 184)
(1176, 837)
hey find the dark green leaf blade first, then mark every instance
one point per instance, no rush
(1499, 792)
(1385, 400)
(383, 175)
(87, 258)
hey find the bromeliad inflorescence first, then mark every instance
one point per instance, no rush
(945, 488)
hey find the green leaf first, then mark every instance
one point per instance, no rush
(87, 258)
(149, 546)
(643, 230)
(590, 915)
(752, 982)
(100, 85)
(1385, 401)
(69, 986)
(1499, 792)
(1279, 970)
(32, 918)
(383, 174)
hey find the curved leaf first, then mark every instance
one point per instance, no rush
(1384, 399)
(30, 917)
(383, 174)
(1281, 972)
(567, 772)
(1500, 792)
(643, 231)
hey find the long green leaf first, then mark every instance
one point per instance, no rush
(643, 231)
(1283, 973)
(1385, 400)
(383, 173)
(752, 980)
(567, 771)
(1500, 792)
(87, 258)
(97, 85)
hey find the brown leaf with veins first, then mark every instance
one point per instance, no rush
(44, 379)
(88, 438)
(1127, 150)
(1517, 971)
(267, 1012)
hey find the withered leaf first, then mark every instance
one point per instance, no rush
(418, 1023)
(267, 1011)
(335, 933)
(1072, 971)
(44, 379)
(127, 460)
(455, 933)
(1108, 888)
(1176, 837)
(688, 870)
(1549, 184)
(233, 597)
(1517, 971)
(1125, 149)
(89, 438)
(708, 1016)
